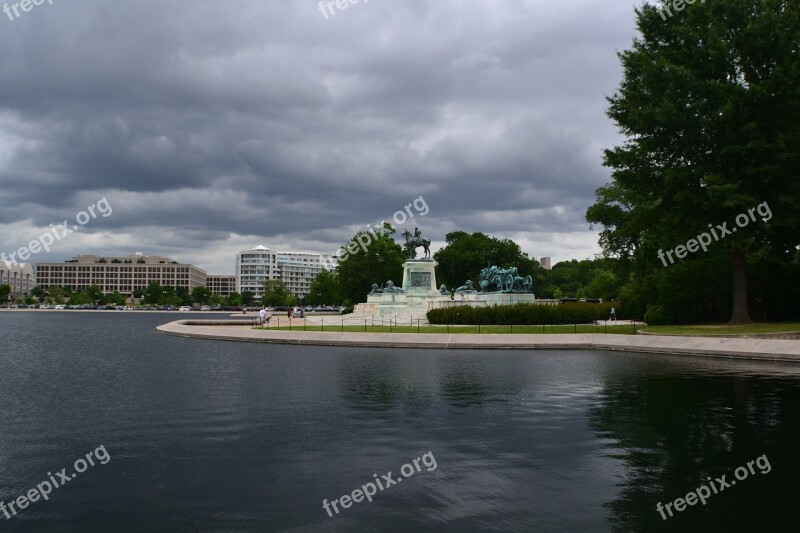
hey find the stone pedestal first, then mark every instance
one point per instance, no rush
(420, 291)
(419, 277)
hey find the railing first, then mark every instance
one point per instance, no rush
(410, 324)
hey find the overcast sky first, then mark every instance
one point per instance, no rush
(212, 127)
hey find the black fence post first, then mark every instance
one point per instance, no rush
(605, 329)
(576, 328)
(417, 325)
(365, 325)
(512, 329)
(634, 327)
(323, 324)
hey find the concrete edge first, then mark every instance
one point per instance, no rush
(750, 349)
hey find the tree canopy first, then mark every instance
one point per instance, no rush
(378, 261)
(324, 290)
(710, 108)
(465, 254)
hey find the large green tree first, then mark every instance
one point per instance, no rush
(465, 254)
(154, 294)
(378, 261)
(710, 108)
(276, 293)
(201, 295)
(5, 290)
(324, 290)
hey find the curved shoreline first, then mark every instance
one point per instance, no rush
(730, 348)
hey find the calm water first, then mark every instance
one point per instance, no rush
(212, 436)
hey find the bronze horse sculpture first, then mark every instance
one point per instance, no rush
(415, 241)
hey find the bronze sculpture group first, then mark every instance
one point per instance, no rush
(496, 279)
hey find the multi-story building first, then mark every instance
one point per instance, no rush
(222, 286)
(19, 276)
(123, 274)
(253, 268)
(545, 262)
(296, 269)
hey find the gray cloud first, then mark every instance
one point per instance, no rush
(212, 126)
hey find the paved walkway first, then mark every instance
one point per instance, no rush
(754, 349)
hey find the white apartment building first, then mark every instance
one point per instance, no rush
(20, 277)
(296, 269)
(253, 268)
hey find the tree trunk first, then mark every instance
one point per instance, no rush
(741, 312)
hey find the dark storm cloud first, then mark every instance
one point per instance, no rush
(214, 126)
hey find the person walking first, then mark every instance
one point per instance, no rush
(613, 315)
(262, 317)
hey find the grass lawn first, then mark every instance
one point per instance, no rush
(722, 329)
(620, 330)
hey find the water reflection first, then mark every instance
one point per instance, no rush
(673, 429)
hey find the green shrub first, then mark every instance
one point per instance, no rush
(523, 314)
(658, 315)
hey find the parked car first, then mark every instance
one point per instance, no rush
(185, 308)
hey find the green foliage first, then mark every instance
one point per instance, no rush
(234, 300)
(5, 290)
(276, 293)
(201, 295)
(80, 298)
(713, 129)
(56, 295)
(247, 298)
(154, 294)
(382, 261)
(604, 285)
(657, 315)
(181, 297)
(464, 255)
(523, 314)
(324, 290)
(115, 298)
(347, 307)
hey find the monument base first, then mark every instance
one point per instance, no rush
(420, 294)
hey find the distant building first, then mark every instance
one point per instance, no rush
(296, 269)
(222, 286)
(253, 268)
(20, 277)
(299, 269)
(123, 274)
(545, 262)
